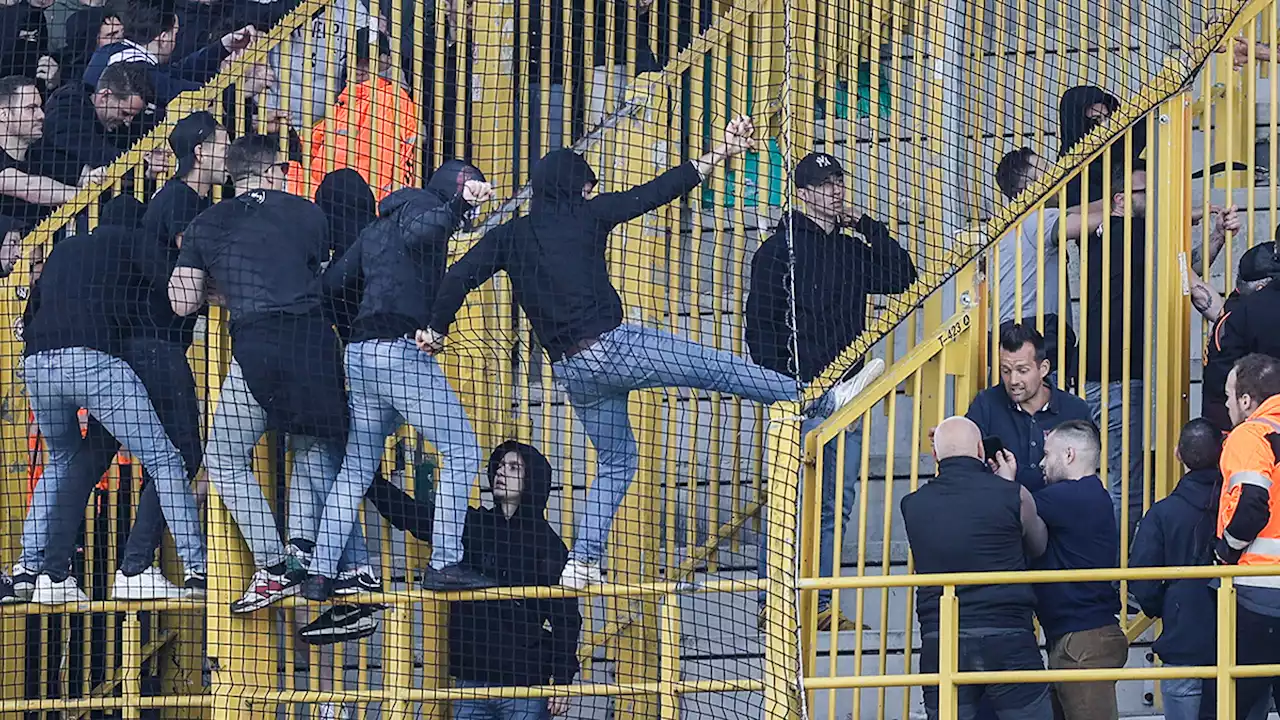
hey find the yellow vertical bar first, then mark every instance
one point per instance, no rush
(780, 651)
(131, 666)
(1226, 655)
(669, 643)
(948, 654)
(917, 415)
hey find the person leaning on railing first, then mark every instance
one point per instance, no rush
(1248, 532)
(969, 519)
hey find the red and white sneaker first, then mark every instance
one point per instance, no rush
(267, 587)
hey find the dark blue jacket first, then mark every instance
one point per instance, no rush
(1023, 434)
(170, 79)
(1179, 530)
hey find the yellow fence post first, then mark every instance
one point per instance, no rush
(948, 654)
(781, 632)
(1173, 320)
(1226, 648)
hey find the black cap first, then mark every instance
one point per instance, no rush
(1259, 263)
(190, 132)
(817, 168)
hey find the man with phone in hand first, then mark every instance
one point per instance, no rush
(1024, 407)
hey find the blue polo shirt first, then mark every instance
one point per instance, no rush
(1021, 432)
(1082, 535)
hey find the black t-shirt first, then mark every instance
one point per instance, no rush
(26, 213)
(1135, 339)
(1082, 535)
(968, 519)
(262, 251)
(168, 214)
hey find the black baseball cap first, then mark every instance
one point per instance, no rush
(1259, 262)
(190, 132)
(817, 168)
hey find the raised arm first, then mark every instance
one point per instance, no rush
(471, 271)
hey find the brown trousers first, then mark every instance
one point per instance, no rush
(1104, 647)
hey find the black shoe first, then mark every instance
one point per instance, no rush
(357, 580)
(317, 587)
(7, 595)
(340, 623)
(196, 585)
(455, 577)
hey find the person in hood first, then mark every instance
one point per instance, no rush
(401, 259)
(24, 42)
(347, 201)
(1246, 324)
(555, 260)
(77, 329)
(1080, 110)
(88, 30)
(263, 249)
(1178, 531)
(514, 642)
(832, 274)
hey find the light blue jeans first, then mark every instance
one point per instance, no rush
(59, 383)
(392, 381)
(1117, 471)
(1181, 698)
(599, 381)
(848, 484)
(499, 708)
(238, 422)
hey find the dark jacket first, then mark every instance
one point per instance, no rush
(555, 256)
(1247, 325)
(347, 201)
(1022, 433)
(387, 281)
(200, 24)
(1074, 126)
(833, 275)
(170, 79)
(516, 642)
(82, 41)
(74, 137)
(24, 39)
(1179, 531)
(968, 519)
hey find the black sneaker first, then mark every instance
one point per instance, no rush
(317, 588)
(455, 577)
(7, 595)
(357, 580)
(196, 585)
(341, 623)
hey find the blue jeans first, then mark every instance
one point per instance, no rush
(238, 422)
(498, 708)
(59, 383)
(599, 381)
(1182, 698)
(392, 381)
(827, 555)
(1117, 471)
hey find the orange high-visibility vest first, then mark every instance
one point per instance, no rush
(373, 130)
(1248, 459)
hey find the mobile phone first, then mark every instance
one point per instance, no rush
(991, 446)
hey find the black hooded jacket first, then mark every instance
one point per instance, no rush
(555, 255)
(506, 642)
(1180, 531)
(1247, 325)
(82, 41)
(348, 203)
(832, 275)
(392, 271)
(1074, 125)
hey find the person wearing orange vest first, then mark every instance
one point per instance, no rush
(373, 128)
(1248, 533)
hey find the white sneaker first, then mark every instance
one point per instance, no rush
(577, 575)
(842, 393)
(49, 592)
(24, 582)
(150, 584)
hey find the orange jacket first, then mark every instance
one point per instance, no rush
(1248, 459)
(376, 135)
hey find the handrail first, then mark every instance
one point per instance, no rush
(185, 103)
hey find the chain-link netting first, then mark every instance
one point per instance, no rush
(368, 358)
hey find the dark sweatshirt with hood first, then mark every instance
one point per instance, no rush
(832, 275)
(516, 642)
(1179, 531)
(555, 255)
(1074, 126)
(82, 41)
(393, 269)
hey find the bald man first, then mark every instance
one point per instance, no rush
(971, 519)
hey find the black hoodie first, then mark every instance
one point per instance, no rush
(555, 256)
(507, 642)
(1074, 126)
(348, 203)
(82, 41)
(387, 280)
(1180, 531)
